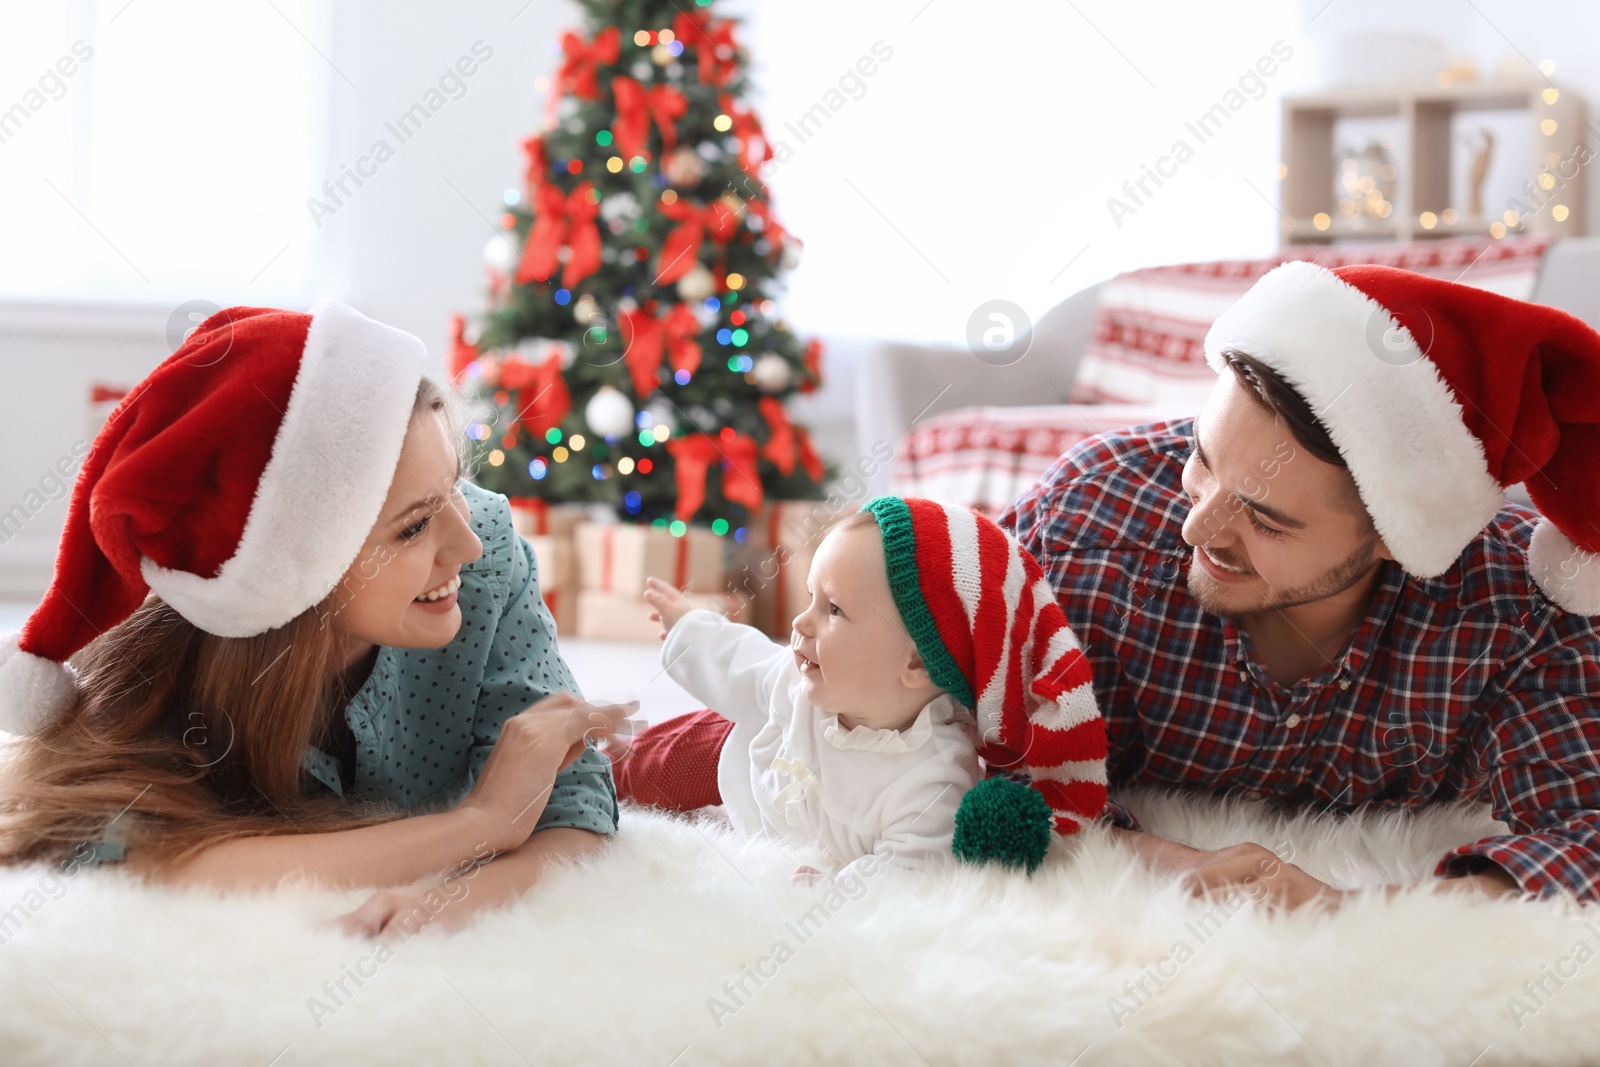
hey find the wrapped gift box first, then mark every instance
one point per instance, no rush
(618, 616)
(770, 568)
(618, 557)
(558, 579)
(532, 517)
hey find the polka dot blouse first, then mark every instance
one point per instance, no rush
(425, 720)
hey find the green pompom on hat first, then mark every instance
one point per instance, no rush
(1001, 820)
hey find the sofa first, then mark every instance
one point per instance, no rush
(995, 429)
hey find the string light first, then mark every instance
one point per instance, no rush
(560, 454)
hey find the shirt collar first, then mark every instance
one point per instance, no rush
(941, 709)
(1359, 645)
(326, 767)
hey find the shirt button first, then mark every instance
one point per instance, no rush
(1344, 683)
(1292, 720)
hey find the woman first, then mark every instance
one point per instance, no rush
(298, 637)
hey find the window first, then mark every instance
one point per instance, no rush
(155, 151)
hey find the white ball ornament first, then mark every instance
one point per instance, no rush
(621, 205)
(501, 253)
(683, 167)
(772, 373)
(608, 412)
(696, 285)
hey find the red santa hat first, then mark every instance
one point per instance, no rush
(990, 633)
(238, 482)
(1438, 396)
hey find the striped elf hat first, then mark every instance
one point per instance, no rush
(986, 623)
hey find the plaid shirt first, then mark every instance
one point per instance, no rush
(1467, 686)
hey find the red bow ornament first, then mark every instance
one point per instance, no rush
(713, 44)
(541, 392)
(538, 164)
(813, 362)
(682, 327)
(787, 442)
(754, 148)
(681, 249)
(636, 106)
(646, 337)
(562, 221)
(578, 69)
(461, 353)
(693, 455)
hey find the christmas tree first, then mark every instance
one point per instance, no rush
(631, 352)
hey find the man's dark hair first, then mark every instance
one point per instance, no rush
(1280, 398)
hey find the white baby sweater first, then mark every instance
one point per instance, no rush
(789, 769)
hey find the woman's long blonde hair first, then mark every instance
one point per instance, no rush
(188, 739)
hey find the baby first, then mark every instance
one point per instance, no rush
(931, 638)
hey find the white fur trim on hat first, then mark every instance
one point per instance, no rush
(33, 690)
(1568, 575)
(332, 461)
(1421, 473)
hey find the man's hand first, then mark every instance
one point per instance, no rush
(1491, 881)
(1256, 871)
(1260, 874)
(670, 604)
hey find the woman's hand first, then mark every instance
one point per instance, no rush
(404, 911)
(670, 604)
(533, 746)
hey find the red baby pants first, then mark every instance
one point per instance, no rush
(673, 764)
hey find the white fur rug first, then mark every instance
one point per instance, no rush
(635, 957)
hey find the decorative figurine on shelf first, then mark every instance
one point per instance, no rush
(1480, 169)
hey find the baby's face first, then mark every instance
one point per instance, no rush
(854, 653)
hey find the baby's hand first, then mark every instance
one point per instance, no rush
(670, 604)
(806, 875)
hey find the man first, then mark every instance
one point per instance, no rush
(1314, 591)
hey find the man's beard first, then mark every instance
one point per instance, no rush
(1206, 589)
